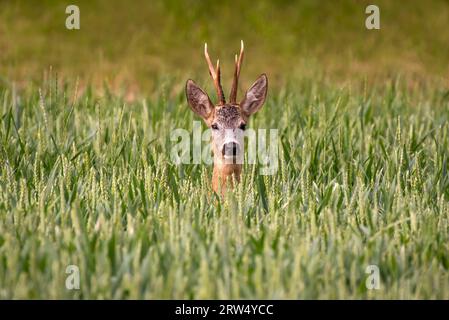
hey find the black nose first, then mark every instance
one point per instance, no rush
(230, 149)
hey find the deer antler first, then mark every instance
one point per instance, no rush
(216, 76)
(235, 82)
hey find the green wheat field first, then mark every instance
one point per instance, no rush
(86, 177)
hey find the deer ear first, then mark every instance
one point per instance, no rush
(198, 100)
(255, 96)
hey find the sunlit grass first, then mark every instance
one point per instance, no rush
(87, 181)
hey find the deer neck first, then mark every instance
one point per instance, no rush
(225, 174)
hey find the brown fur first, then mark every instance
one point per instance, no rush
(224, 175)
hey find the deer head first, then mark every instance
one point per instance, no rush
(226, 120)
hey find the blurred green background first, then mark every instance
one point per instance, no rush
(132, 45)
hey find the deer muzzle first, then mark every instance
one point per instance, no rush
(230, 149)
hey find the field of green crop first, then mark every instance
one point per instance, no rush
(87, 180)
(87, 183)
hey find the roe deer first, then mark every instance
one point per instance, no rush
(227, 120)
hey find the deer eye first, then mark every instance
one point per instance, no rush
(242, 126)
(214, 126)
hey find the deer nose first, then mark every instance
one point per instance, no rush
(230, 149)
